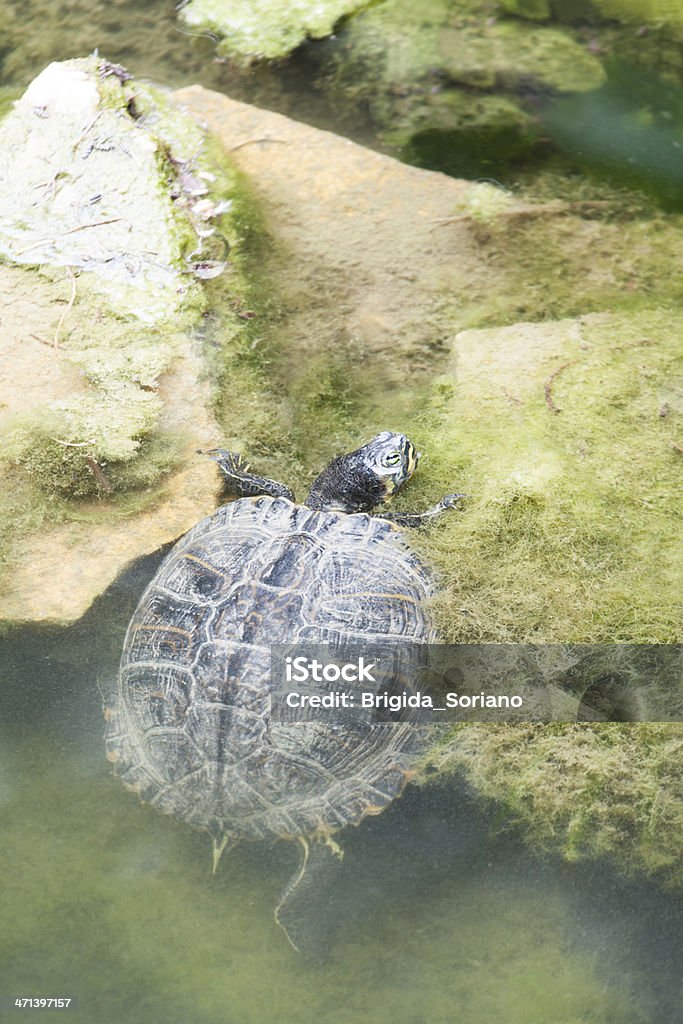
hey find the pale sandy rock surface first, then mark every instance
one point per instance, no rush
(358, 228)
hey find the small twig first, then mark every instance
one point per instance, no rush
(50, 185)
(548, 386)
(93, 224)
(511, 398)
(251, 142)
(529, 210)
(79, 227)
(73, 444)
(98, 473)
(676, 447)
(34, 245)
(65, 311)
(439, 221)
(87, 128)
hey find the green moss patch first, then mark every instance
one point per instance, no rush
(582, 790)
(572, 459)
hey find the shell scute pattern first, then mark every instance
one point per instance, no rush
(190, 726)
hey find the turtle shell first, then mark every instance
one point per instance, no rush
(190, 728)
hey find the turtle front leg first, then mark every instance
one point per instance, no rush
(239, 480)
(416, 519)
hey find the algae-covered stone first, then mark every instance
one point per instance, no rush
(583, 790)
(97, 175)
(267, 28)
(508, 54)
(665, 12)
(564, 433)
(101, 410)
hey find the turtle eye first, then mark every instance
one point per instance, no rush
(392, 459)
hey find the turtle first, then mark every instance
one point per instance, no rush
(189, 726)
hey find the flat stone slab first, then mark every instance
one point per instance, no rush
(348, 216)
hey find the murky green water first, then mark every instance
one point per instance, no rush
(148, 39)
(439, 915)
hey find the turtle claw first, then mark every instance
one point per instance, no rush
(451, 500)
(240, 480)
(230, 462)
(418, 519)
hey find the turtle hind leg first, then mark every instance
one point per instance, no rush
(304, 912)
(239, 480)
(220, 844)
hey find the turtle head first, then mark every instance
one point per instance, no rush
(364, 478)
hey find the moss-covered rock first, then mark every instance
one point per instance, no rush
(567, 436)
(266, 29)
(663, 12)
(584, 790)
(102, 414)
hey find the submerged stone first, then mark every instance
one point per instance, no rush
(662, 12)
(450, 86)
(267, 28)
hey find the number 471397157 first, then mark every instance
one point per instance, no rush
(42, 1002)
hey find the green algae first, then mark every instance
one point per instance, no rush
(585, 791)
(570, 531)
(549, 262)
(110, 426)
(267, 29)
(239, 339)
